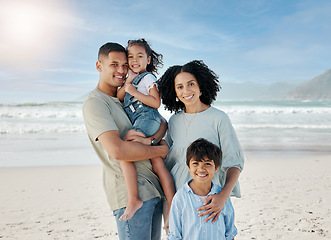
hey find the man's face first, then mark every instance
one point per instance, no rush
(113, 69)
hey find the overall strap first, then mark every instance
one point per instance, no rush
(128, 97)
(137, 80)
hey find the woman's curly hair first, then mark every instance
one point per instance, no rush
(207, 80)
(156, 58)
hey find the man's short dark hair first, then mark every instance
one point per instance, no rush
(201, 148)
(110, 47)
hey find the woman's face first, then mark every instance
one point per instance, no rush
(187, 89)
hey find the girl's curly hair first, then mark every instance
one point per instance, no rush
(156, 58)
(207, 80)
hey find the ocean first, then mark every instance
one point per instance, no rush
(53, 134)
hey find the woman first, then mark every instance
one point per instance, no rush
(189, 91)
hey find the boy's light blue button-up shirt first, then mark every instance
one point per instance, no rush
(184, 222)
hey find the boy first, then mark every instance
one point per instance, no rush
(203, 160)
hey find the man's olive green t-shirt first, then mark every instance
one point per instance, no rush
(104, 113)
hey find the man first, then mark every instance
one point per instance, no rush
(107, 124)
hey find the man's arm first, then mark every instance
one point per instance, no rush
(129, 150)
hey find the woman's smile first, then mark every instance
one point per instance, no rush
(187, 89)
(189, 97)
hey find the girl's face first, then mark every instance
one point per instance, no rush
(138, 59)
(187, 89)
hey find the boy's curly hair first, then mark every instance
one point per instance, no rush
(156, 58)
(207, 80)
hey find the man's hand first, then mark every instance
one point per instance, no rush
(147, 141)
(136, 138)
(165, 148)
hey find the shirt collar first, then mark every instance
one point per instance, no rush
(214, 188)
(115, 99)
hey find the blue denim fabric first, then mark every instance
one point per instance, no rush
(145, 223)
(144, 119)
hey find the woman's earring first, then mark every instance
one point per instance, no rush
(177, 100)
(200, 94)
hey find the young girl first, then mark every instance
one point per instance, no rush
(141, 101)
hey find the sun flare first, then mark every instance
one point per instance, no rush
(28, 29)
(25, 26)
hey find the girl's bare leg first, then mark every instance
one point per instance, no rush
(130, 176)
(134, 202)
(167, 183)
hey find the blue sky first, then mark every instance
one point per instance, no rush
(48, 48)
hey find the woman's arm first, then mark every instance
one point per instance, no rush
(218, 200)
(232, 163)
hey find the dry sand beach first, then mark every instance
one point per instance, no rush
(285, 196)
(51, 179)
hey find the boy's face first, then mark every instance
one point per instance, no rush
(202, 171)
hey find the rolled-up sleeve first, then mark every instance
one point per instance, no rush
(228, 214)
(232, 154)
(175, 215)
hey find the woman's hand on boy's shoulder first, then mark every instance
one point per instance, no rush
(213, 206)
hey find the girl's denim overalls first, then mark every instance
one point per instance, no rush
(144, 119)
